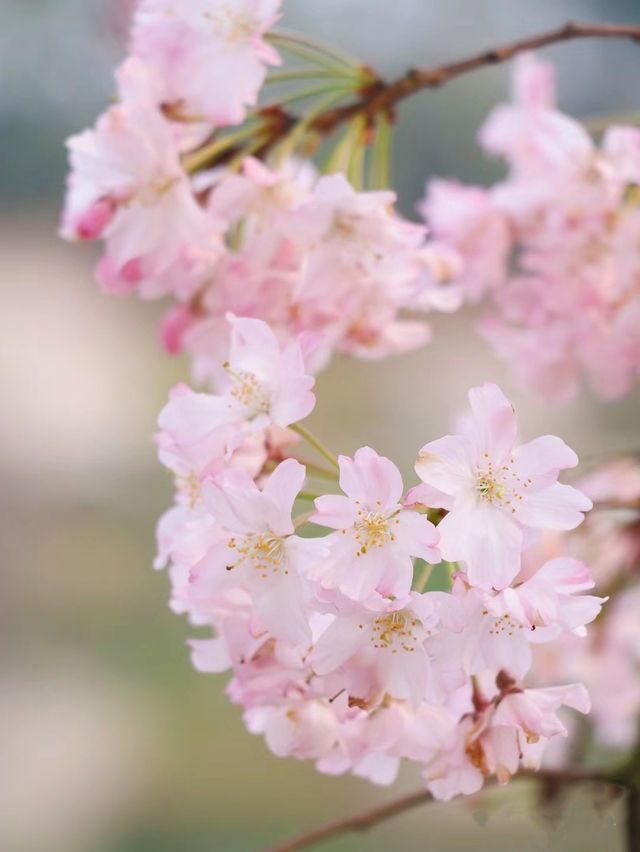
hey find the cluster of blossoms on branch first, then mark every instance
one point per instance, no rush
(380, 623)
(338, 654)
(277, 242)
(554, 246)
(167, 180)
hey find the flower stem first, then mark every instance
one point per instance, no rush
(310, 50)
(311, 74)
(380, 165)
(316, 444)
(210, 152)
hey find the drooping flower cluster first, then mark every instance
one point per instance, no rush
(554, 246)
(338, 654)
(272, 241)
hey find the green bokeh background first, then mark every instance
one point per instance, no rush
(109, 741)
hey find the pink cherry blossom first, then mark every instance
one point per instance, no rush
(391, 642)
(370, 554)
(509, 731)
(262, 385)
(566, 219)
(494, 490)
(260, 551)
(210, 55)
(549, 601)
(532, 134)
(466, 219)
(127, 186)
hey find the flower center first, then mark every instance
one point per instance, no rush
(249, 391)
(395, 631)
(502, 625)
(265, 552)
(489, 489)
(500, 486)
(372, 529)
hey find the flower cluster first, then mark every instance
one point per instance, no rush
(554, 246)
(272, 241)
(338, 653)
(365, 622)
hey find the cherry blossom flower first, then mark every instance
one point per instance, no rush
(494, 490)
(260, 551)
(370, 554)
(566, 219)
(390, 641)
(210, 55)
(127, 185)
(262, 385)
(466, 219)
(508, 732)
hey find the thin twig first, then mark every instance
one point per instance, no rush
(360, 822)
(367, 819)
(383, 97)
(316, 444)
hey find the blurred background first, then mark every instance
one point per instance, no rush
(109, 741)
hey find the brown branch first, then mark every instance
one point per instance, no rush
(380, 97)
(383, 97)
(374, 816)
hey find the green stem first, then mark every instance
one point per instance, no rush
(341, 157)
(311, 50)
(210, 152)
(355, 167)
(312, 74)
(303, 94)
(316, 444)
(250, 148)
(380, 166)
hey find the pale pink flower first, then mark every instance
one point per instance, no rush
(467, 220)
(389, 644)
(371, 552)
(549, 602)
(260, 551)
(532, 134)
(493, 631)
(533, 714)
(494, 490)
(361, 263)
(210, 55)
(510, 731)
(262, 384)
(451, 772)
(127, 186)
